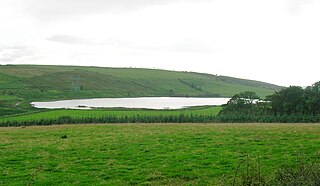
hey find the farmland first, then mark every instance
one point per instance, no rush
(172, 154)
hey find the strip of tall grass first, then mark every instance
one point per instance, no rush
(113, 119)
(178, 118)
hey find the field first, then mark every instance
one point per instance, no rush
(156, 154)
(121, 112)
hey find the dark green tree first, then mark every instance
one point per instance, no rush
(312, 99)
(242, 103)
(288, 101)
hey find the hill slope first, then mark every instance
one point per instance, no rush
(22, 83)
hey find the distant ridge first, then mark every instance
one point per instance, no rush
(61, 82)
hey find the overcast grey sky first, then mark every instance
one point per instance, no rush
(276, 41)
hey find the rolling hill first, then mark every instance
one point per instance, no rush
(20, 84)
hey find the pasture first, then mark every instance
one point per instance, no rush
(148, 154)
(120, 112)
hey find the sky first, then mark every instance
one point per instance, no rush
(275, 41)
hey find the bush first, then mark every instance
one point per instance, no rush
(301, 172)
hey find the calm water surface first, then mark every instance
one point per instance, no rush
(143, 102)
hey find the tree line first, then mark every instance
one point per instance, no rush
(289, 105)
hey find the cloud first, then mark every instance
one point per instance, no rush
(74, 40)
(193, 46)
(186, 46)
(68, 39)
(295, 7)
(14, 53)
(53, 9)
(6, 59)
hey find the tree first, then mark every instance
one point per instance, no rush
(249, 96)
(241, 103)
(312, 99)
(288, 101)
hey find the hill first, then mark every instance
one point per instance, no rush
(20, 84)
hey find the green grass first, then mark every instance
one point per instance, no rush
(55, 114)
(55, 82)
(147, 154)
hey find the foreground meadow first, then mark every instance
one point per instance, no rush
(125, 154)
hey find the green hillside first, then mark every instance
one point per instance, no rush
(20, 84)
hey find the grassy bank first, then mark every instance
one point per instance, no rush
(176, 154)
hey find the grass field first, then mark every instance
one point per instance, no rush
(55, 114)
(156, 154)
